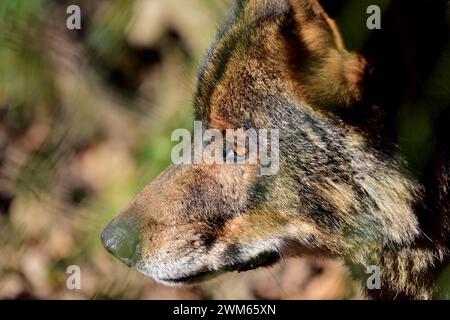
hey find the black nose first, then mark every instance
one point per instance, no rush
(121, 239)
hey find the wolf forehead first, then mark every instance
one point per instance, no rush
(231, 79)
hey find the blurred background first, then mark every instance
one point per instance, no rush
(85, 123)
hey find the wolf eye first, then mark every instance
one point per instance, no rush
(235, 152)
(239, 150)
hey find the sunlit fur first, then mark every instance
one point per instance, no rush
(281, 64)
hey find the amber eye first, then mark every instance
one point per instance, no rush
(233, 151)
(240, 150)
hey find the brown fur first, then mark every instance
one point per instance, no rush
(282, 64)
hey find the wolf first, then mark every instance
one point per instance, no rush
(346, 188)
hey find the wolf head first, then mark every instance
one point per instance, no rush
(274, 65)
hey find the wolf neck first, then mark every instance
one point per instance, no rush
(374, 217)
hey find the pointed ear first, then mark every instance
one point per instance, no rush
(324, 73)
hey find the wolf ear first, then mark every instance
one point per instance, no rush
(325, 74)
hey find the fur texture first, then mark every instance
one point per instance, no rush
(344, 188)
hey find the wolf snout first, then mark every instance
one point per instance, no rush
(121, 239)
